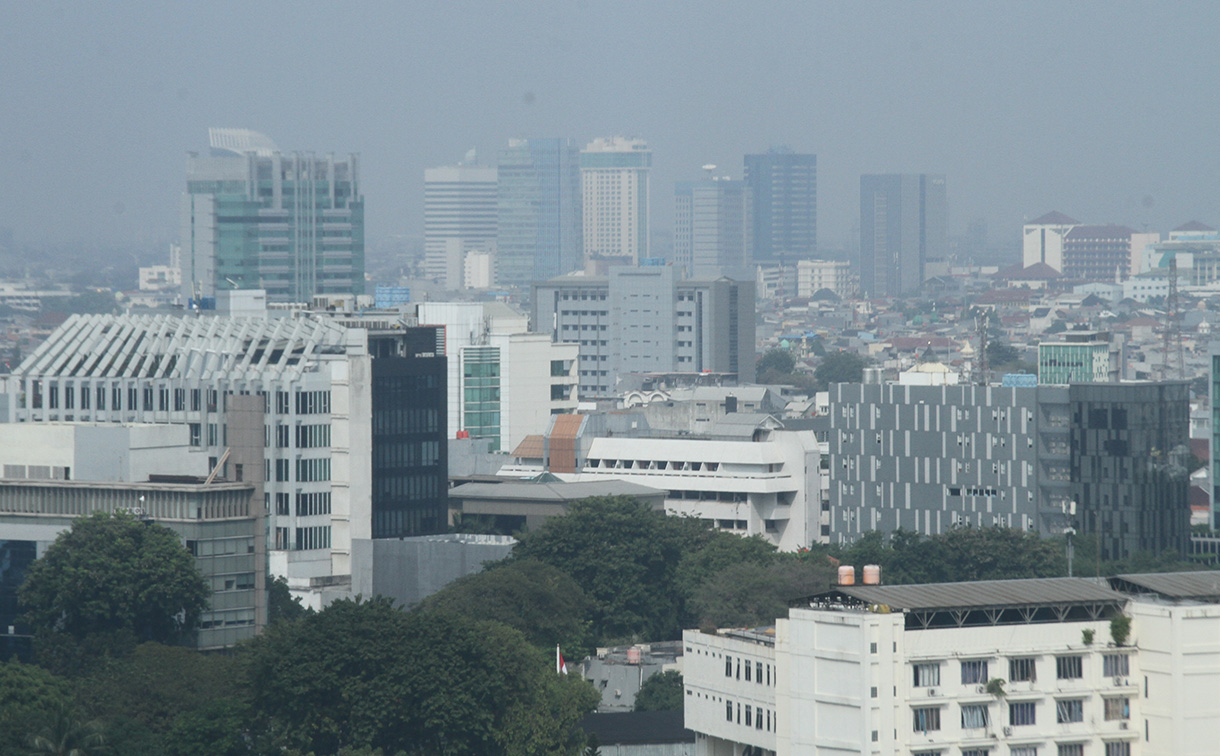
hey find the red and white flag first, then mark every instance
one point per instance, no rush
(561, 666)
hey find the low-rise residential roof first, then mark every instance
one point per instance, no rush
(983, 593)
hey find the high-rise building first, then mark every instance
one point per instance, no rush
(615, 192)
(538, 229)
(712, 228)
(459, 218)
(902, 228)
(257, 218)
(1078, 357)
(784, 188)
(644, 320)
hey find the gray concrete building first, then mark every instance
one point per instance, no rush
(930, 458)
(645, 320)
(903, 227)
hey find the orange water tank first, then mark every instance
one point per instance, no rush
(847, 575)
(872, 574)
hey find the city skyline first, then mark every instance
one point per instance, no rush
(976, 92)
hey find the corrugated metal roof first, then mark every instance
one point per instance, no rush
(1204, 584)
(553, 492)
(984, 593)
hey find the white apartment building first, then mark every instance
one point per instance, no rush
(993, 668)
(835, 275)
(615, 193)
(764, 482)
(504, 382)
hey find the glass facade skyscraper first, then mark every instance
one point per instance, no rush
(902, 228)
(784, 187)
(539, 233)
(256, 218)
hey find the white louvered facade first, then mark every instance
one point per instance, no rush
(313, 374)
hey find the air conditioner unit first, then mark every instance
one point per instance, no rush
(980, 689)
(1007, 731)
(931, 691)
(1123, 725)
(1119, 682)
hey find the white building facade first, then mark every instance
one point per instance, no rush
(835, 275)
(614, 182)
(459, 219)
(995, 668)
(767, 486)
(504, 382)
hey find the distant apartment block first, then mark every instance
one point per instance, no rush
(614, 179)
(459, 218)
(784, 205)
(902, 227)
(257, 218)
(1103, 253)
(644, 320)
(930, 458)
(835, 276)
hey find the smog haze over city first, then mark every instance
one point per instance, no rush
(1103, 110)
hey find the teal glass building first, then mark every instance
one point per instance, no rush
(538, 209)
(257, 218)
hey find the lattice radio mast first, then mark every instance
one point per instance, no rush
(1173, 330)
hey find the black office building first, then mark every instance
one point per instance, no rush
(1130, 443)
(410, 462)
(784, 194)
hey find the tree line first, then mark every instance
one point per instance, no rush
(470, 670)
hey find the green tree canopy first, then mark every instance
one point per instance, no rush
(364, 674)
(28, 695)
(111, 573)
(750, 594)
(776, 363)
(960, 554)
(625, 557)
(541, 601)
(661, 692)
(839, 367)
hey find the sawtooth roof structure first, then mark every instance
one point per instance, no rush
(176, 346)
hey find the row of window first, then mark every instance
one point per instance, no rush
(731, 670)
(754, 716)
(1112, 748)
(1021, 713)
(1020, 669)
(162, 399)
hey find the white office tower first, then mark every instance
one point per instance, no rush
(459, 219)
(995, 668)
(504, 382)
(615, 192)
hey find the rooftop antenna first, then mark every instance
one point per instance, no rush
(1173, 329)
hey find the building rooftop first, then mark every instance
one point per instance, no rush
(556, 493)
(983, 602)
(1200, 586)
(637, 728)
(1053, 218)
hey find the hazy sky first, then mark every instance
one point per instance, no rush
(1107, 111)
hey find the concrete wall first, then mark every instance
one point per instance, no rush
(102, 452)
(410, 569)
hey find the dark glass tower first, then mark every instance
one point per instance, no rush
(902, 227)
(784, 187)
(410, 452)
